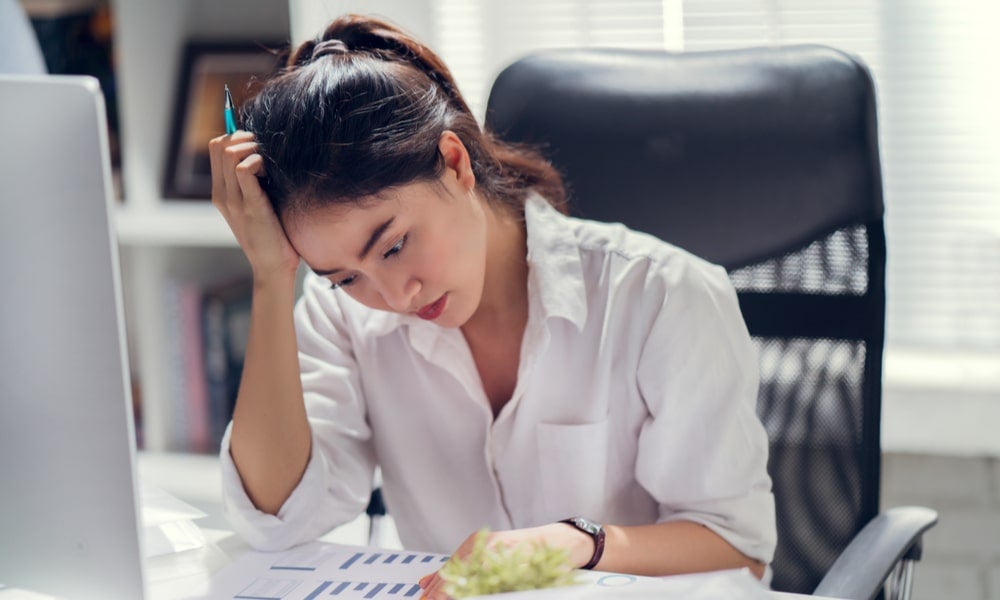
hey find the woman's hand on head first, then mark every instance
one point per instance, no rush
(578, 545)
(237, 194)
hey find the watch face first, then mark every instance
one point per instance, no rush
(587, 525)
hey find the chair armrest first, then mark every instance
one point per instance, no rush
(863, 566)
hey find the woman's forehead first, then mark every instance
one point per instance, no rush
(345, 225)
(328, 213)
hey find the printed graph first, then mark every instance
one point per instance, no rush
(320, 570)
(388, 558)
(272, 589)
(330, 571)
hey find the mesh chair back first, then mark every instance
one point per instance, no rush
(764, 161)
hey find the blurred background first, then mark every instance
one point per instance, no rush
(934, 64)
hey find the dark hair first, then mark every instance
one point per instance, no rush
(361, 109)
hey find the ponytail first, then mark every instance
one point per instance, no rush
(361, 108)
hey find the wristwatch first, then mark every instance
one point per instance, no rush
(594, 530)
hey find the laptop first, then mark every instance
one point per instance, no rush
(68, 502)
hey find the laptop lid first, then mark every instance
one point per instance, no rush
(67, 491)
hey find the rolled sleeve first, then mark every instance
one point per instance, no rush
(294, 523)
(703, 452)
(337, 482)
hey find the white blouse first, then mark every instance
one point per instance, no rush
(634, 405)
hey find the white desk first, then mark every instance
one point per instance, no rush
(196, 479)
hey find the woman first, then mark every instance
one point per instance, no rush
(504, 364)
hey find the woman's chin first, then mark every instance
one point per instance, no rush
(454, 316)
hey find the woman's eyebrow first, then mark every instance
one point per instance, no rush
(372, 240)
(375, 237)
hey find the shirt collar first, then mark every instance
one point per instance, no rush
(555, 274)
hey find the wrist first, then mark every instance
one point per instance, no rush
(273, 280)
(578, 545)
(586, 553)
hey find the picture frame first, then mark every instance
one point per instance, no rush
(198, 108)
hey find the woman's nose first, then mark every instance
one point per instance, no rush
(400, 293)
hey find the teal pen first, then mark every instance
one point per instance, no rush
(230, 117)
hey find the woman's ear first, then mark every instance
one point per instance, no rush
(456, 159)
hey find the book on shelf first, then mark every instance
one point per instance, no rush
(187, 387)
(207, 327)
(225, 327)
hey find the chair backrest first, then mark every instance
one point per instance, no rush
(764, 161)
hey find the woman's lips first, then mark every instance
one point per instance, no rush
(434, 309)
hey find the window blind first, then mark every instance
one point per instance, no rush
(940, 144)
(478, 38)
(939, 128)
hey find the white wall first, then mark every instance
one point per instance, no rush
(309, 17)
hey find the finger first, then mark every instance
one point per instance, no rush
(247, 173)
(215, 148)
(428, 582)
(436, 590)
(235, 153)
(251, 166)
(240, 136)
(466, 548)
(232, 156)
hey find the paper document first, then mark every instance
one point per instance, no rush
(595, 585)
(168, 523)
(337, 572)
(319, 569)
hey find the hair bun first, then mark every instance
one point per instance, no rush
(331, 46)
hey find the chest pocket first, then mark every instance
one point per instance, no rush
(573, 463)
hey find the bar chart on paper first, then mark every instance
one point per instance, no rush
(322, 570)
(337, 572)
(264, 588)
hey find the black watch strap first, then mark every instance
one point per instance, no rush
(595, 531)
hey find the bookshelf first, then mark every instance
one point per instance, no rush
(166, 242)
(181, 225)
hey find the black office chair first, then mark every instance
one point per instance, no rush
(764, 161)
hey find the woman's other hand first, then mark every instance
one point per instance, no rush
(237, 194)
(578, 545)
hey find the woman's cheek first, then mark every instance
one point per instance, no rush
(368, 296)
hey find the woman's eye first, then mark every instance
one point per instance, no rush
(343, 282)
(396, 248)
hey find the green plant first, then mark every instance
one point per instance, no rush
(506, 569)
